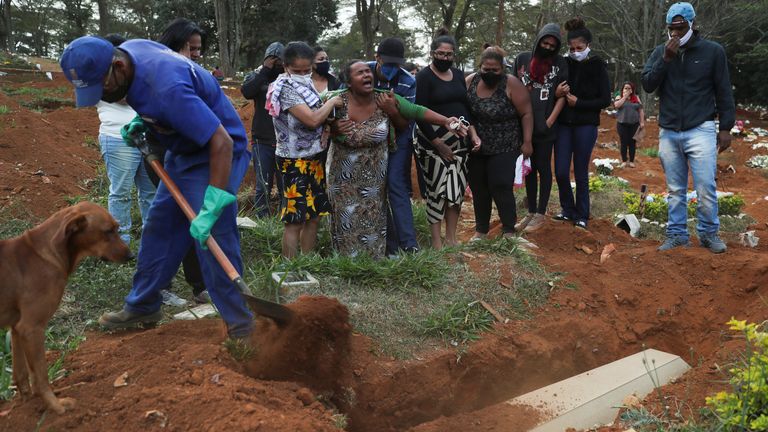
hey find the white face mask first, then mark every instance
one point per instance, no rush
(305, 80)
(579, 55)
(686, 37)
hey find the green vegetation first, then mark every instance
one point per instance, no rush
(459, 322)
(4, 109)
(650, 151)
(745, 407)
(656, 208)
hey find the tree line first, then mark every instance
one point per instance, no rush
(625, 31)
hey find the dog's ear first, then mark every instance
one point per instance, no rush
(76, 225)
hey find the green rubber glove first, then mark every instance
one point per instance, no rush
(133, 130)
(213, 204)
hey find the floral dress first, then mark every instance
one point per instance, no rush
(357, 168)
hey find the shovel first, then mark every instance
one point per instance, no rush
(277, 312)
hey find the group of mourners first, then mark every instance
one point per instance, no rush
(343, 146)
(364, 129)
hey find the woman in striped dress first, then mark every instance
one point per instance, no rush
(441, 155)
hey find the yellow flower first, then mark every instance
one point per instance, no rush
(302, 164)
(290, 207)
(317, 170)
(310, 200)
(286, 164)
(291, 192)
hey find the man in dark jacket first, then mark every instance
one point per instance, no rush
(690, 76)
(262, 130)
(542, 70)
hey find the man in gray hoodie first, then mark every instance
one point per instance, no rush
(542, 71)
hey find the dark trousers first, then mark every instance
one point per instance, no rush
(401, 233)
(626, 132)
(574, 145)
(541, 174)
(492, 177)
(265, 167)
(192, 272)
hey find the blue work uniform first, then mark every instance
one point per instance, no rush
(184, 105)
(401, 233)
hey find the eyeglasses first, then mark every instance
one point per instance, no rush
(444, 54)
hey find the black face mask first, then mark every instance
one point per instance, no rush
(118, 94)
(323, 68)
(545, 52)
(442, 64)
(491, 78)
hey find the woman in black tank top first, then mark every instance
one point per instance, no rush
(501, 109)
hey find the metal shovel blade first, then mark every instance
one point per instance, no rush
(277, 312)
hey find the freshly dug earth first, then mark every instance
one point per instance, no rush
(313, 348)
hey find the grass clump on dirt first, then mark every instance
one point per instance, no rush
(390, 300)
(459, 322)
(650, 151)
(4, 109)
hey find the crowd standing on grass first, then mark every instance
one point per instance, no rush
(360, 135)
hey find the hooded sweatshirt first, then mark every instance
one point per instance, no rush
(542, 94)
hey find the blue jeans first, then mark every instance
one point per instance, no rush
(696, 148)
(264, 167)
(574, 144)
(401, 232)
(166, 240)
(125, 167)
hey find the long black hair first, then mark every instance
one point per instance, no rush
(177, 33)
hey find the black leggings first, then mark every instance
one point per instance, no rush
(492, 177)
(626, 132)
(541, 169)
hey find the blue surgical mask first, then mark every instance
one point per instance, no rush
(390, 71)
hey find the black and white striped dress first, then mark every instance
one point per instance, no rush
(445, 181)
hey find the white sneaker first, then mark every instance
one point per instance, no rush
(172, 299)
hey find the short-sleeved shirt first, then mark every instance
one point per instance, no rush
(112, 117)
(181, 101)
(294, 139)
(629, 112)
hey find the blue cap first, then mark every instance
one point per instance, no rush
(683, 9)
(85, 63)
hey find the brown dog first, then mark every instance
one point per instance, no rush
(34, 268)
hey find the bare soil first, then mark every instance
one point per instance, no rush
(180, 375)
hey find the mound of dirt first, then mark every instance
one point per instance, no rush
(312, 349)
(177, 376)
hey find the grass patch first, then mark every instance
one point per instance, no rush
(644, 421)
(4, 109)
(34, 91)
(650, 151)
(459, 322)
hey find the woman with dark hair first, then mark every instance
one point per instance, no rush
(629, 117)
(501, 108)
(443, 156)
(587, 92)
(322, 78)
(184, 37)
(358, 159)
(299, 115)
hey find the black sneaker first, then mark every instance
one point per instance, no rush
(581, 224)
(561, 217)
